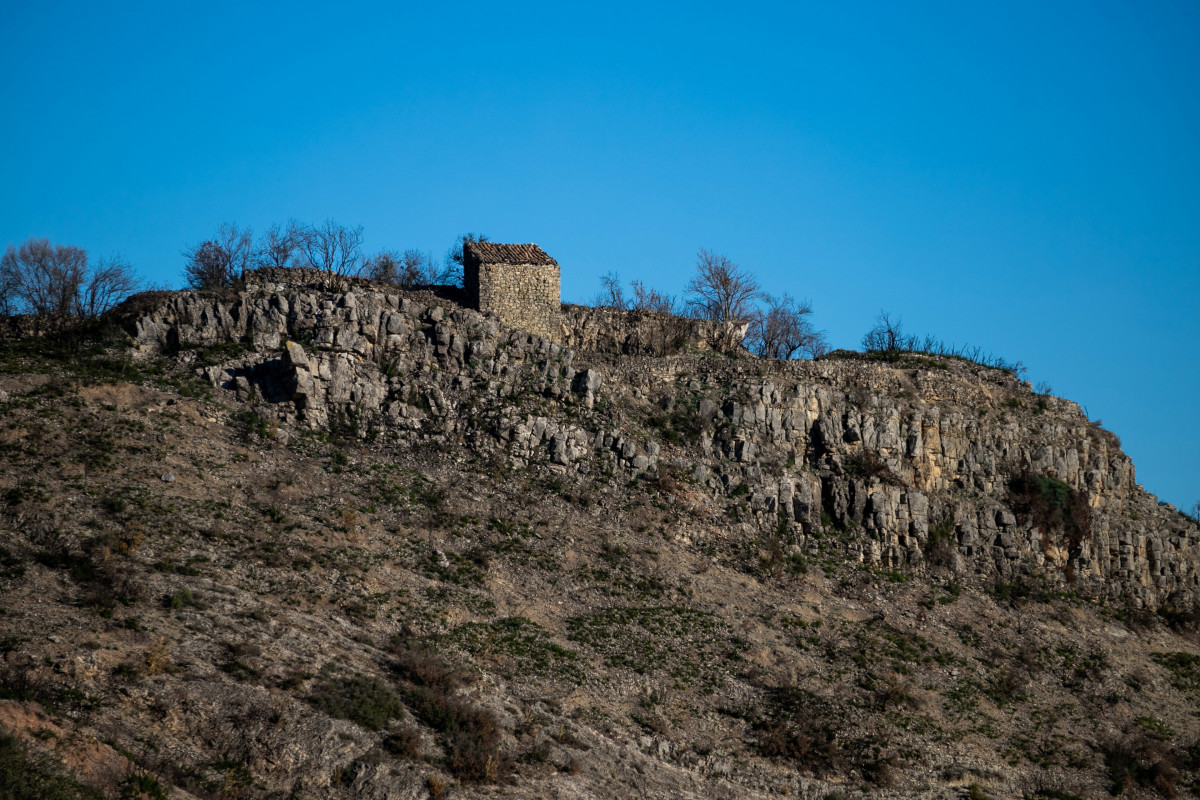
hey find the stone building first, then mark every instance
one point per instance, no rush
(518, 283)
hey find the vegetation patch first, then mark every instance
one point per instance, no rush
(677, 427)
(868, 464)
(367, 701)
(520, 647)
(469, 734)
(693, 647)
(20, 685)
(1184, 669)
(1052, 505)
(795, 726)
(25, 776)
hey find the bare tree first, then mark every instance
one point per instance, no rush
(721, 291)
(221, 260)
(279, 244)
(110, 282)
(782, 330)
(333, 249)
(8, 287)
(888, 336)
(406, 270)
(383, 267)
(647, 299)
(53, 282)
(44, 279)
(611, 294)
(417, 268)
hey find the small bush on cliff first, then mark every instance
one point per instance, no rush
(869, 465)
(367, 701)
(1051, 504)
(797, 726)
(942, 544)
(1138, 760)
(679, 427)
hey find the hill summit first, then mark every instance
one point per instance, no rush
(302, 540)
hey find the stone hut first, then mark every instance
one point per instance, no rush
(518, 283)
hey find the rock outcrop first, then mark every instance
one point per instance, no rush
(912, 466)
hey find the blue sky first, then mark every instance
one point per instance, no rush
(1021, 176)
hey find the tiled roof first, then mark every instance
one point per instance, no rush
(495, 253)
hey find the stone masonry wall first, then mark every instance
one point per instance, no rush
(524, 296)
(637, 332)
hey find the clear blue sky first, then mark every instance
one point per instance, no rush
(1023, 175)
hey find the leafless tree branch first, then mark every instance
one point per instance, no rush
(721, 291)
(611, 294)
(279, 244)
(781, 330)
(54, 282)
(333, 249)
(219, 261)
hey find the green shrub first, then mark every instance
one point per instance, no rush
(1184, 669)
(1052, 505)
(692, 646)
(679, 427)
(367, 701)
(249, 424)
(180, 598)
(525, 646)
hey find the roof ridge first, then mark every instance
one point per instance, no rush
(501, 253)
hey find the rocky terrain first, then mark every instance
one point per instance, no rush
(290, 541)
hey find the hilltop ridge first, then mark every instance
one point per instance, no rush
(888, 448)
(288, 540)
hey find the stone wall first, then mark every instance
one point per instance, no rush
(524, 296)
(654, 333)
(302, 276)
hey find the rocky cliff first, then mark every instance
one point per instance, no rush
(307, 540)
(882, 454)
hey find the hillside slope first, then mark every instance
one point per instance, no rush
(298, 543)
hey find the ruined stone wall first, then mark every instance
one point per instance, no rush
(524, 296)
(302, 276)
(633, 332)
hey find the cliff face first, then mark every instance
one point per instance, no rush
(928, 464)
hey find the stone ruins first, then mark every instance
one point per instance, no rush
(518, 283)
